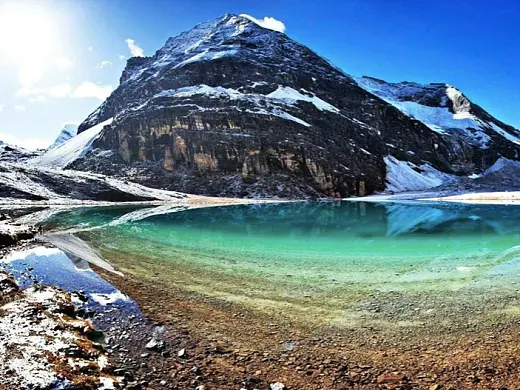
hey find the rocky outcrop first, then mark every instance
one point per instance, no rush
(231, 108)
(44, 344)
(12, 234)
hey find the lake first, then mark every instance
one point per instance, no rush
(345, 264)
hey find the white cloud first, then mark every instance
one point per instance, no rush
(88, 89)
(267, 22)
(37, 99)
(27, 143)
(134, 48)
(30, 73)
(102, 64)
(63, 63)
(59, 90)
(39, 94)
(19, 108)
(122, 57)
(90, 49)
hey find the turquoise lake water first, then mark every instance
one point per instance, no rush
(325, 258)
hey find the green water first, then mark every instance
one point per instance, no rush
(327, 260)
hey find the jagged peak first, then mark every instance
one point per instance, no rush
(431, 94)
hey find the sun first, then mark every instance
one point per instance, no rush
(28, 31)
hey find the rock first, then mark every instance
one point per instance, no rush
(391, 378)
(155, 345)
(181, 353)
(277, 386)
(12, 234)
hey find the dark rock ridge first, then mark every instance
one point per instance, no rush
(232, 108)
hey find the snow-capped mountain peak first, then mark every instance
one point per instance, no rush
(443, 108)
(207, 41)
(69, 130)
(230, 107)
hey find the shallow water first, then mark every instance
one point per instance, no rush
(51, 266)
(338, 263)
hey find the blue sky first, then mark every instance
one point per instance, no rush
(60, 58)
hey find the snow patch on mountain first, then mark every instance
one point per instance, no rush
(504, 133)
(291, 95)
(262, 104)
(439, 119)
(69, 130)
(404, 176)
(453, 112)
(207, 55)
(71, 150)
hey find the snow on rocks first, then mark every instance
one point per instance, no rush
(108, 299)
(58, 186)
(291, 95)
(43, 344)
(441, 107)
(71, 150)
(404, 176)
(11, 234)
(272, 104)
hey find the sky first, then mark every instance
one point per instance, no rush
(59, 59)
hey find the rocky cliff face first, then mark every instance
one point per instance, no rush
(231, 108)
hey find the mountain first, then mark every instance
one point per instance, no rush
(12, 153)
(231, 108)
(446, 110)
(70, 150)
(68, 131)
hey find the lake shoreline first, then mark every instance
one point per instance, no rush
(192, 340)
(44, 338)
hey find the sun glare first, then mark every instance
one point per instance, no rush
(28, 33)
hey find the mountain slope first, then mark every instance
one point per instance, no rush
(22, 182)
(71, 149)
(231, 108)
(446, 110)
